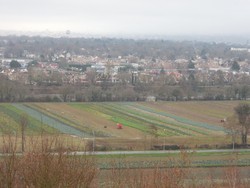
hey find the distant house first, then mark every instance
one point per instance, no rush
(114, 78)
(53, 66)
(151, 99)
(99, 67)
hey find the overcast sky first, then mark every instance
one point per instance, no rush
(146, 17)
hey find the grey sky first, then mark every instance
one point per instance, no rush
(162, 17)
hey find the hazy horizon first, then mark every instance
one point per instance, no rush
(229, 39)
(141, 17)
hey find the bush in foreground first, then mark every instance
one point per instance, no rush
(47, 164)
(44, 167)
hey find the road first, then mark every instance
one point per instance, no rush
(79, 153)
(158, 152)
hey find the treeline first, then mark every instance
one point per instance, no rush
(12, 91)
(46, 47)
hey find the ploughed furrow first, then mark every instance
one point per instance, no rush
(141, 120)
(64, 128)
(117, 117)
(62, 118)
(179, 119)
(7, 124)
(160, 119)
(102, 121)
(13, 116)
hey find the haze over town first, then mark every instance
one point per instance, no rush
(141, 18)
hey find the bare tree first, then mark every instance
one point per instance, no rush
(243, 113)
(66, 91)
(23, 123)
(233, 129)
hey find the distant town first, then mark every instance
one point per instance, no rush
(89, 69)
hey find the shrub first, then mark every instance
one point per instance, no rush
(40, 166)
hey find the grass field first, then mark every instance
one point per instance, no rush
(165, 160)
(40, 166)
(144, 123)
(10, 122)
(68, 127)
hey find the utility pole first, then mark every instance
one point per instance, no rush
(23, 123)
(164, 140)
(93, 141)
(23, 137)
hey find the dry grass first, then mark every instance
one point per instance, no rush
(201, 111)
(46, 165)
(176, 176)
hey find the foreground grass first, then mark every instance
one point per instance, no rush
(39, 165)
(46, 163)
(223, 155)
(203, 159)
(177, 174)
